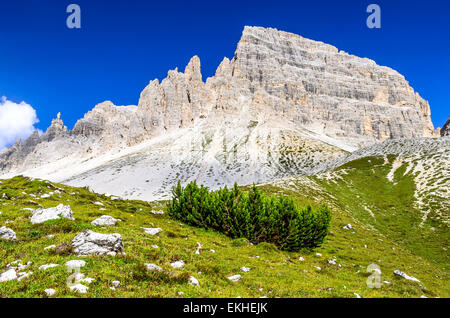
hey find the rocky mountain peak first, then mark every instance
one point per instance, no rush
(445, 130)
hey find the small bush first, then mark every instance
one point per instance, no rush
(252, 215)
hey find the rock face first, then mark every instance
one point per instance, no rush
(92, 243)
(445, 130)
(280, 106)
(60, 211)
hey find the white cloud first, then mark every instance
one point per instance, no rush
(16, 120)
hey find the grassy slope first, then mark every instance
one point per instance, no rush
(390, 207)
(273, 273)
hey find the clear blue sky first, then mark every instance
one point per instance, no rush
(122, 45)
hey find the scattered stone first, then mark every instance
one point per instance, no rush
(405, 276)
(153, 267)
(177, 264)
(7, 234)
(41, 215)
(92, 243)
(347, 227)
(235, 278)
(245, 269)
(332, 261)
(23, 275)
(193, 281)
(50, 292)
(301, 259)
(157, 212)
(318, 268)
(115, 283)
(51, 247)
(155, 246)
(104, 220)
(199, 247)
(152, 231)
(47, 266)
(318, 254)
(8, 275)
(5, 196)
(45, 196)
(98, 203)
(86, 280)
(386, 282)
(75, 264)
(212, 251)
(357, 296)
(50, 236)
(82, 289)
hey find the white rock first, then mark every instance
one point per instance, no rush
(60, 211)
(405, 276)
(199, 247)
(115, 283)
(7, 234)
(86, 280)
(332, 261)
(82, 289)
(347, 227)
(45, 196)
(245, 269)
(104, 220)
(92, 243)
(153, 267)
(47, 266)
(193, 281)
(23, 275)
(318, 268)
(235, 278)
(301, 259)
(212, 251)
(8, 275)
(157, 212)
(152, 231)
(318, 254)
(155, 246)
(177, 264)
(357, 296)
(50, 292)
(51, 247)
(75, 264)
(98, 203)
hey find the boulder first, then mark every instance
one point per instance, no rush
(7, 234)
(153, 267)
(60, 211)
(104, 220)
(92, 243)
(152, 231)
(8, 275)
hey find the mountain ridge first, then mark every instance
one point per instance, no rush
(316, 101)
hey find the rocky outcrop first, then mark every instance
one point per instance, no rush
(92, 243)
(445, 130)
(60, 211)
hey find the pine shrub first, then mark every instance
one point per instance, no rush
(253, 215)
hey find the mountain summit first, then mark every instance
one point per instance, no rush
(281, 106)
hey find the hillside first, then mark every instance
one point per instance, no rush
(337, 269)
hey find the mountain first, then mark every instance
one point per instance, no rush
(282, 106)
(445, 130)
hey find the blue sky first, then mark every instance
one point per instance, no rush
(122, 45)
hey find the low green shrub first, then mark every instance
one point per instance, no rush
(252, 215)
